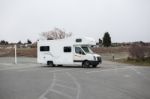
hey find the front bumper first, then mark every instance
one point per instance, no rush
(99, 61)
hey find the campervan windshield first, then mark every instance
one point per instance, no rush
(87, 49)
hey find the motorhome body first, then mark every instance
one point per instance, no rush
(68, 51)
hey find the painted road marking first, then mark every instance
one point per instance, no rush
(77, 84)
(63, 86)
(127, 76)
(139, 73)
(136, 71)
(95, 71)
(51, 86)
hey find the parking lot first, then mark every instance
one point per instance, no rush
(110, 80)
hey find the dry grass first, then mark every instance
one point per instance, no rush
(107, 53)
(137, 62)
(28, 52)
(110, 49)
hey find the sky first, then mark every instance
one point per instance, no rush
(125, 20)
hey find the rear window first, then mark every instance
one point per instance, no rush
(67, 49)
(44, 48)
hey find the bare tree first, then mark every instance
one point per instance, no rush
(56, 33)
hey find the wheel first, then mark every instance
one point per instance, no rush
(50, 63)
(86, 64)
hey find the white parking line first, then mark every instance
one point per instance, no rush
(60, 70)
(51, 86)
(108, 70)
(61, 93)
(139, 73)
(136, 71)
(127, 76)
(60, 85)
(77, 84)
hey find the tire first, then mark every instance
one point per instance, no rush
(86, 64)
(50, 64)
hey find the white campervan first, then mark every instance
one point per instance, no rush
(68, 51)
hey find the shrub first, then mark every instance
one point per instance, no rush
(139, 52)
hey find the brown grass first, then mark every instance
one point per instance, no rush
(28, 52)
(110, 49)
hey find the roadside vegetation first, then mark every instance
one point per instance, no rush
(112, 53)
(138, 62)
(21, 52)
(137, 53)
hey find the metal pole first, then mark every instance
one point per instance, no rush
(15, 54)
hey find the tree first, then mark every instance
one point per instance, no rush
(19, 42)
(56, 33)
(3, 42)
(106, 40)
(100, 41)
(29, 41)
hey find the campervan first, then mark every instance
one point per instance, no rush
(71, 51)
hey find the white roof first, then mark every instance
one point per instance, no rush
(73, 40)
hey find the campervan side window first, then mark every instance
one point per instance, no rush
(67, 49)
(44, 48)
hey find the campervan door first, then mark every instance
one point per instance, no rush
(43, 53)
(62, 53)
(66, 56)
(79, 54)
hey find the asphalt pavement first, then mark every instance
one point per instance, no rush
(110, 80)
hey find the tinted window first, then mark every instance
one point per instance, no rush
(67, 49)
(44, 48)
(78, 40)
(85, 49)
(78, 50)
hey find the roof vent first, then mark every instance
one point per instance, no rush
(79, 40)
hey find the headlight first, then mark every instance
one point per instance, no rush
(99, 59)
(94, 58)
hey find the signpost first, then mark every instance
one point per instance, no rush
(15, 54)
